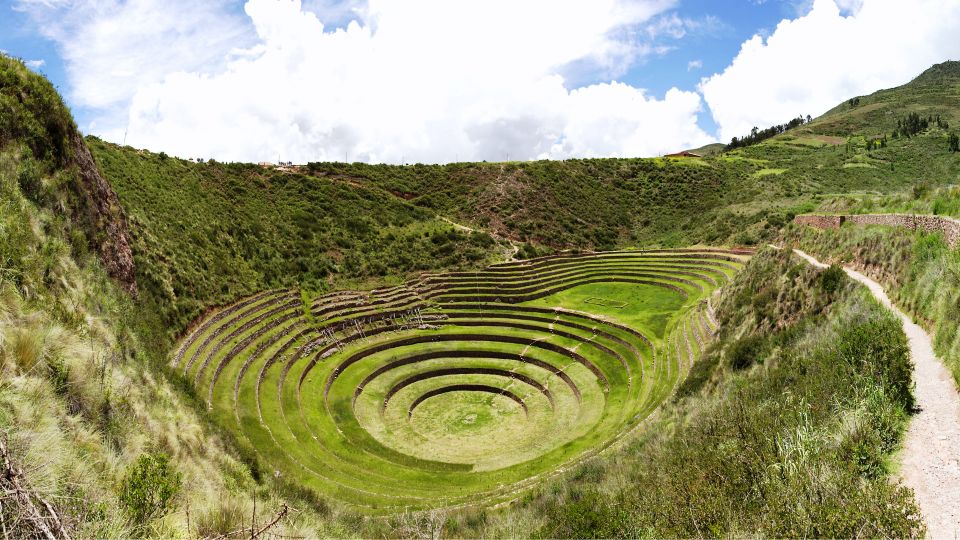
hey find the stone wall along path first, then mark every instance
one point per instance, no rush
(950, 227)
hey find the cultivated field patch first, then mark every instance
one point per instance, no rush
(456, 388)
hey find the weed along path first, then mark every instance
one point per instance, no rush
(930, 463)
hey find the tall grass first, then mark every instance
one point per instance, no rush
(79, 397)
(921, 273)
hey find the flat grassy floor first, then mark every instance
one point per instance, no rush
(648, 308)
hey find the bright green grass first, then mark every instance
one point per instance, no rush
(648, 307)
(768, 172)
(469, 401)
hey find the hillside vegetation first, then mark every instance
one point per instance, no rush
(783, 428)
(96, 440)
(126, 401)
(920, 270)
(207, 233)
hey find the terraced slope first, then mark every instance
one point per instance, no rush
(456, 388)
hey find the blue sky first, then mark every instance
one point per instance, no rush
(18, 37)
(710, 51)
(416, 80)
(737, 20)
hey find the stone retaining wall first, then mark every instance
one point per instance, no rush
(820, 222)
(948, 226)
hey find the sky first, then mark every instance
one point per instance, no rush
(435, 81)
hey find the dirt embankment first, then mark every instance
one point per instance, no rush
(99, 211)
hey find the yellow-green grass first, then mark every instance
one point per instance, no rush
(768, 172)
(459, 388)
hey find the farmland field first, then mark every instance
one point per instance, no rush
(459, 387)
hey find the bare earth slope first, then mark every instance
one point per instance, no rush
(931, 455)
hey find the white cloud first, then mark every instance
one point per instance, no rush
(674, 26)
(694, 64)
(420, 80)
(618, 120)
(35, 64)
(811, 63)
(113, 47)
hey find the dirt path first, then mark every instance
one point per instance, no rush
(458, 226)
(514, 247)
(930, 461)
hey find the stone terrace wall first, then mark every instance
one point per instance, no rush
(820, 222)
(948, 226)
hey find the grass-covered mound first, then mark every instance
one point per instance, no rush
(458, 387)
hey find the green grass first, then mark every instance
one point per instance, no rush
(768, 172)
(385, 415)
(87, 393)
(206, 234)
(647, 307)
(919, 270)
(736, 453)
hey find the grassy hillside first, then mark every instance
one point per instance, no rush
(205, 234)
(105, 444)
(920, 270)
(783, 429)
(208, 233)
(591, 203)
(934, 92)
(831, 154)
(800, 436)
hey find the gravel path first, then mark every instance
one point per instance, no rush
(930, 461)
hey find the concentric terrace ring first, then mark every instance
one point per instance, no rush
(458, 388)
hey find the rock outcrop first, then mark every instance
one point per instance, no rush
(106, 224)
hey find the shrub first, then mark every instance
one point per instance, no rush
(831, 279)
(527, 251)
(149, 488)
(920, 190)
(878, 348)
(745, 352)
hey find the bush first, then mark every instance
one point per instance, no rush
(878, 348)
(745, 352)
(920, 190)
(527, 251)
(832, 279)
(225, 517)
(149, 489)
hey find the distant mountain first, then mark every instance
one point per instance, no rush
(934, 92)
